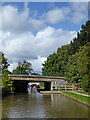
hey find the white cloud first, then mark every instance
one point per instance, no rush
(17, 22)
(12, 66)
(0, 17)
(77, 18)
(37, 64)
(29, 46)
(50, 39)
(79, 12)
(0, 40)
(56, 15)
(76, 12)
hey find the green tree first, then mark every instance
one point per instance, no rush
(81, 39)
(7, 82)
(83, 61)
(72, 72)
(55, 64)
(23, 68)
(3, 63)
(77, 68)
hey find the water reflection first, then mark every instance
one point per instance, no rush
(32, 90)
(35, 105)
(62, 107)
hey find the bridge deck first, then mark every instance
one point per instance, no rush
(35, 78)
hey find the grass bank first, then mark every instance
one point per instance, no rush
(82, 92)
(78, 97)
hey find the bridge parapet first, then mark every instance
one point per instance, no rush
(36, 78)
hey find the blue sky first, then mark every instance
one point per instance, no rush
(34, 30)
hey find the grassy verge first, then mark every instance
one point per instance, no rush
(82, 92)
(55, 90)
(79, 97)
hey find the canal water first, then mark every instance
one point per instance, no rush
(35, 105)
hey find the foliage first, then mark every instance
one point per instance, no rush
(71, 69)
(86, 83)
(81, 40)
(23, 68)
(3, 63)
(77, 67)
(55, 64)
(83, 61)
(71, 60)
(0, 62)
(7, 83)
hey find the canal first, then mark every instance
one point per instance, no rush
(35, 105)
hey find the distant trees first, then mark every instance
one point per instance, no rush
(23, 68)
(71, 60)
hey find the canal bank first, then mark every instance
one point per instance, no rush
(73, 95)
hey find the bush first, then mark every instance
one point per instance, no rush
(85, 83)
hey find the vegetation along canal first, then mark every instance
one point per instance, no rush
(35, 105)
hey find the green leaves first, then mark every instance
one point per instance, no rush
(86, 83)
(55, 64)
(3, 63)
(23, 68)
(83, 60)
(7, 83)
